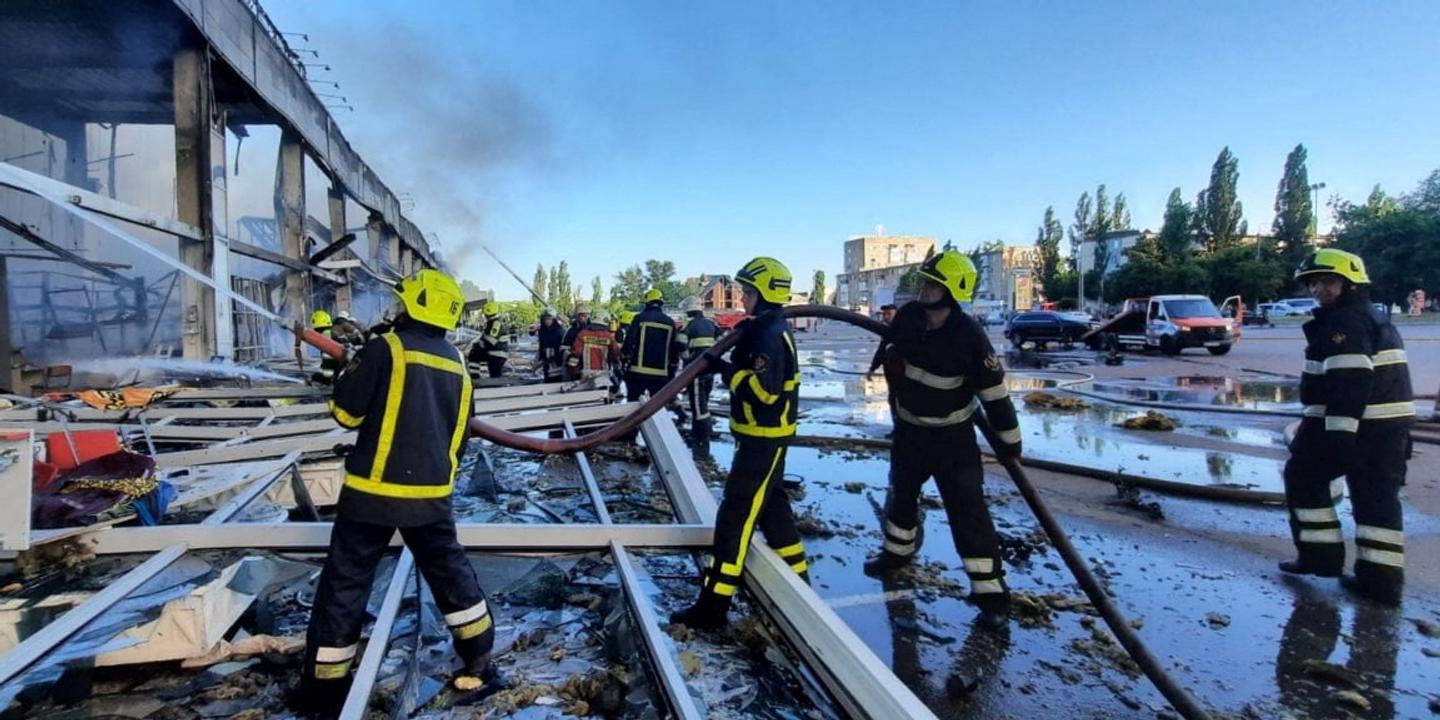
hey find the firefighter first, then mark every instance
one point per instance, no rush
(551, 356)
(408, 396)
(488, 353)
(594, 351)
(698, 336)
(580, 322)
(650, 351)
(763, 375)
(1357, 418)
(623, 320)
(321, 321)
(941, 370)
(347, 329)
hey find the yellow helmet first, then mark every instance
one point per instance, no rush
(433, 298)
(769, 277)
(653, 295)
(491, 308)
(954, 271)
(1338, 262)
(320, 320)
(627, 317)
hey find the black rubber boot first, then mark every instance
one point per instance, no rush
(710, 612)
(993, 620)
(1388, 596)
(1295, 567)
(884, 563)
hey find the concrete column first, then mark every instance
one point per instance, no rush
(393, 248)
(290, 214)
(5, 349)
(336, 197)
(375, 231)
(193, 108)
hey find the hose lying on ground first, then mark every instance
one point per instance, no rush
(1203, 492)
(1179, 698)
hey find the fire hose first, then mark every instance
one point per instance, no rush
(1174, 692)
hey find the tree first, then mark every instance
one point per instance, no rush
(562, 295)
(1047, 240)
(1102, 225)
(597, 295)
(1120, 216)
(1218, 209)
(1079, 230)
(1173, 244)
(1294, 211)
(817, 295)
(1238, 270)
(629, 286)
(658, 272)
(1399, 240)
(539, 284)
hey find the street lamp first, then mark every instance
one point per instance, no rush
(1315, 208)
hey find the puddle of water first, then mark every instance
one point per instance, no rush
(1264, 394)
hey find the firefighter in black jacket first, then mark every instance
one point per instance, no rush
(407, 395)
(763, 374)
(942, 370)
(551, 356)
(650, 351)
(1358, 413)
(488, 353)
(698, 336)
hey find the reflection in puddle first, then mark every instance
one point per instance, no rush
(1263, 394)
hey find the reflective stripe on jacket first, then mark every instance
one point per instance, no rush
(409, 397)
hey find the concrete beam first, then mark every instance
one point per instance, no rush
(194, 105)
(336, 197)
(290, 215)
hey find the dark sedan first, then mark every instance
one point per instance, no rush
(1043, 327)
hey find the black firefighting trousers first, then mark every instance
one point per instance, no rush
(1313, 486)
(699, 396)
(754, 498)
(637, 384)
(345, 584)
(951, 456)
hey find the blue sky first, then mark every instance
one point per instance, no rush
(707, 133)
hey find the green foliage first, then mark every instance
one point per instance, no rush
(540, 284)
(1084, 214)
(629, 287)
(1399, 240)
(1218, 211)
(1063, 287)
(597, 294)
(1256, 276)
(1294, 211)
(1120, 216)
(520, 314)
(817, 293)
(1047, 239)
(1178, 231)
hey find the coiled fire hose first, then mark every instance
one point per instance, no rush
(1174, 692)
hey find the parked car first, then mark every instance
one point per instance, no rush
(1276, 309)
(1043, 327)
(1301, 306)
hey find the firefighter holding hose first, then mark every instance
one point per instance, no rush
(763, 375)
(408, 397)
(942, 370)
(1356, 425)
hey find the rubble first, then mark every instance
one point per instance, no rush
(1151, 420)
(1041, 399)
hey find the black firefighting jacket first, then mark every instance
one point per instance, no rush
(407, 395)
(763, 375)
(698, 336)
(1356, 380)
(940, 377)
(650, 344)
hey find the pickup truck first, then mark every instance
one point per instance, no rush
(1170, 323)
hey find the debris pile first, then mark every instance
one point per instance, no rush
(1041, 399)
(1151, 420)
